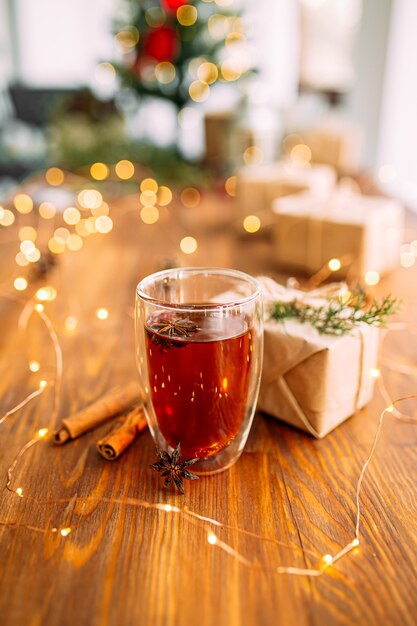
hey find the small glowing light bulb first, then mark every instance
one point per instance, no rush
(334, 265)
(19, 492)
(20, 283)
(65, 532)
(42, 432)
(355, 542)
(39, 308)
(375, 373)
(34, 366)
(42, 384)
(390, 408)
(327, 559)
(168, 508)
(102, 314)
(212, 538)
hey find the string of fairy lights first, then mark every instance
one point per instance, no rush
(324, 561)
(89, 215)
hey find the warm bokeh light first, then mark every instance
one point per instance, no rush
(81, 228)
(128, 37)
(27, 246)
(149, 184)
(104, 224)
(207, 73)
(104, 74)
(190, 197)
(253, 156)
(102, 314)
(300, 154)
(23, 203)
(165, 72)
(164, 196)
(199, 91)
(61, 234)
(6, 217)
(334, 265)
(90, 198)
(187, 15)
(54, 176)
(47, 210)
(251, 223)
(234, 39)
(20, 283)
(34, 366)
(99, 171)
(28, 232)
(90, 225)
(230, 185)
(71, 216)
(55, 247)
(231, 70)
(70, 323)
(371, 277)
(124, 169)
(148, 198)
(212, 539)
(33, 256)
(46, 294)
(149, 214)
(74, 242)
(188, 245)
(21, 259)
(155, 16)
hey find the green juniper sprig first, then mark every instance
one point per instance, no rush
(338, 316)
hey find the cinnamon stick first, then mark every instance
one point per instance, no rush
(119, 439)
(112, 403)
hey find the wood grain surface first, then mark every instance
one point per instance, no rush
(124, 565)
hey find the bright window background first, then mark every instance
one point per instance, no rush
(397, 152)
(61, 41)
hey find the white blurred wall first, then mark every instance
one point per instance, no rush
(397, 149)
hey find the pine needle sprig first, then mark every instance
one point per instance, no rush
(338, 316)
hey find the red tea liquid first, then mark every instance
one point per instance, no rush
(199, 383)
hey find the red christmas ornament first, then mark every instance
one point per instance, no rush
(173, 5)
(161, 43)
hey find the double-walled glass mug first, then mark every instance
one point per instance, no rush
(199, 335)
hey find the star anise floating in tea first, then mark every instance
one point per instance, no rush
(179, 327)
(173, 469)
(167, 329)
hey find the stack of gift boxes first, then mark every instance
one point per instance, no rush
(313, 381)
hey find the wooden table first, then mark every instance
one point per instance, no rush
(123, 565)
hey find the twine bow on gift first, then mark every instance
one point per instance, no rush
(274, 292)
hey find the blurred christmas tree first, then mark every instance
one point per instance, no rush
(178, 49)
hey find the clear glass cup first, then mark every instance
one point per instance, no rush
(199, 342)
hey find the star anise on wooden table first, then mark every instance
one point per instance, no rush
(173, 469)
(179, 327)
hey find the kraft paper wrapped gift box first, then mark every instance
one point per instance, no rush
(336, 142)
(313, 381)
(365, 232)
(258, 186)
